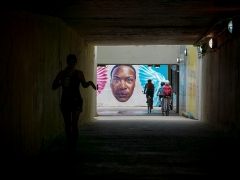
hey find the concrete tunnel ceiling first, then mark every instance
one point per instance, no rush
(138, 22)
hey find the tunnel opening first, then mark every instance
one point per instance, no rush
(156, 62)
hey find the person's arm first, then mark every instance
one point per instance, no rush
(56, 83)
(162, 90)
(86, 84)
(144, 91)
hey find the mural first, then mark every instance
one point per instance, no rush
(122, 82)
(146, 73)
(101, 78)
(182, 85)
(191, 81)
(123, 85)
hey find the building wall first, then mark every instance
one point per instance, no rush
(182, 82)
(134, 55)
(191, 90)
(157, 54)
(220, 84)
(33, 50)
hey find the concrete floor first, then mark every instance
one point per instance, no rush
(129, 143)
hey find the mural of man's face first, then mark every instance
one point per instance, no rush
(122, 82)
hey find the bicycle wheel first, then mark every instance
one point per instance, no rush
(149, 103)
(162, 108)
(167, 109)
(148, 106)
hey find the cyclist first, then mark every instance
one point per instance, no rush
(167, 91)
(149, 90)
(160, 94)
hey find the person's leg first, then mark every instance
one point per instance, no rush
(68, 127)
(151, 94)
(162, 103)
(170, 102)
(75, 118)
(152, 102)
(159, 100)
(164, 106)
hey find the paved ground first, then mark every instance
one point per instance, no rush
(132, 111)
(138, 145)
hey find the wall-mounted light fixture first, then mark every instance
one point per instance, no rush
(213, 43)
(185, 52)
(201, 49)
(234, 26)
(157, 66)
(150, 66)
(230, 26)
(178, 60)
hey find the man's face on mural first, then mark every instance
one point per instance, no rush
(122, 82)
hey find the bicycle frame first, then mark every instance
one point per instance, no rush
(166, 105)
(150, 103)
(162, 105)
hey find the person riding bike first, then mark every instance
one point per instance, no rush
(167, 91)
(160, 94)
(149, 89)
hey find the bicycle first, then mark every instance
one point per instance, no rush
(150, 103)
(167, 106)
(161, 103)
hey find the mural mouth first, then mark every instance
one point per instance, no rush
(123, 95)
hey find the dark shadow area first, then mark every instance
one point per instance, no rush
(134, 147)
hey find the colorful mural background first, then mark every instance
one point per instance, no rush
(156, 75)
(191, 81)
(101, 78)
(188, 83)
(182, 86)
(143, 73)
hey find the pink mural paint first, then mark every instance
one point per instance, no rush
(101, 78)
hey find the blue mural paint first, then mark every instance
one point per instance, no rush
(157, 75)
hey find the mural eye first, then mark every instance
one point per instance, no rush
(116, 80)
(130, 79)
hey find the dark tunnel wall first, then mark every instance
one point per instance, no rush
(33, 51)
(221, 84)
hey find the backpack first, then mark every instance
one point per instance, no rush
(150, 86)
(167, 90)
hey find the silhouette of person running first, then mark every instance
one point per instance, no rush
(71, 100)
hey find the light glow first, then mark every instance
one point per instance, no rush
(230, 26)
(210, 43)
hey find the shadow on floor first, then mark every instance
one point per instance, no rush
(140, 147)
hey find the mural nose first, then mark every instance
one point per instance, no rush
(123, 84)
